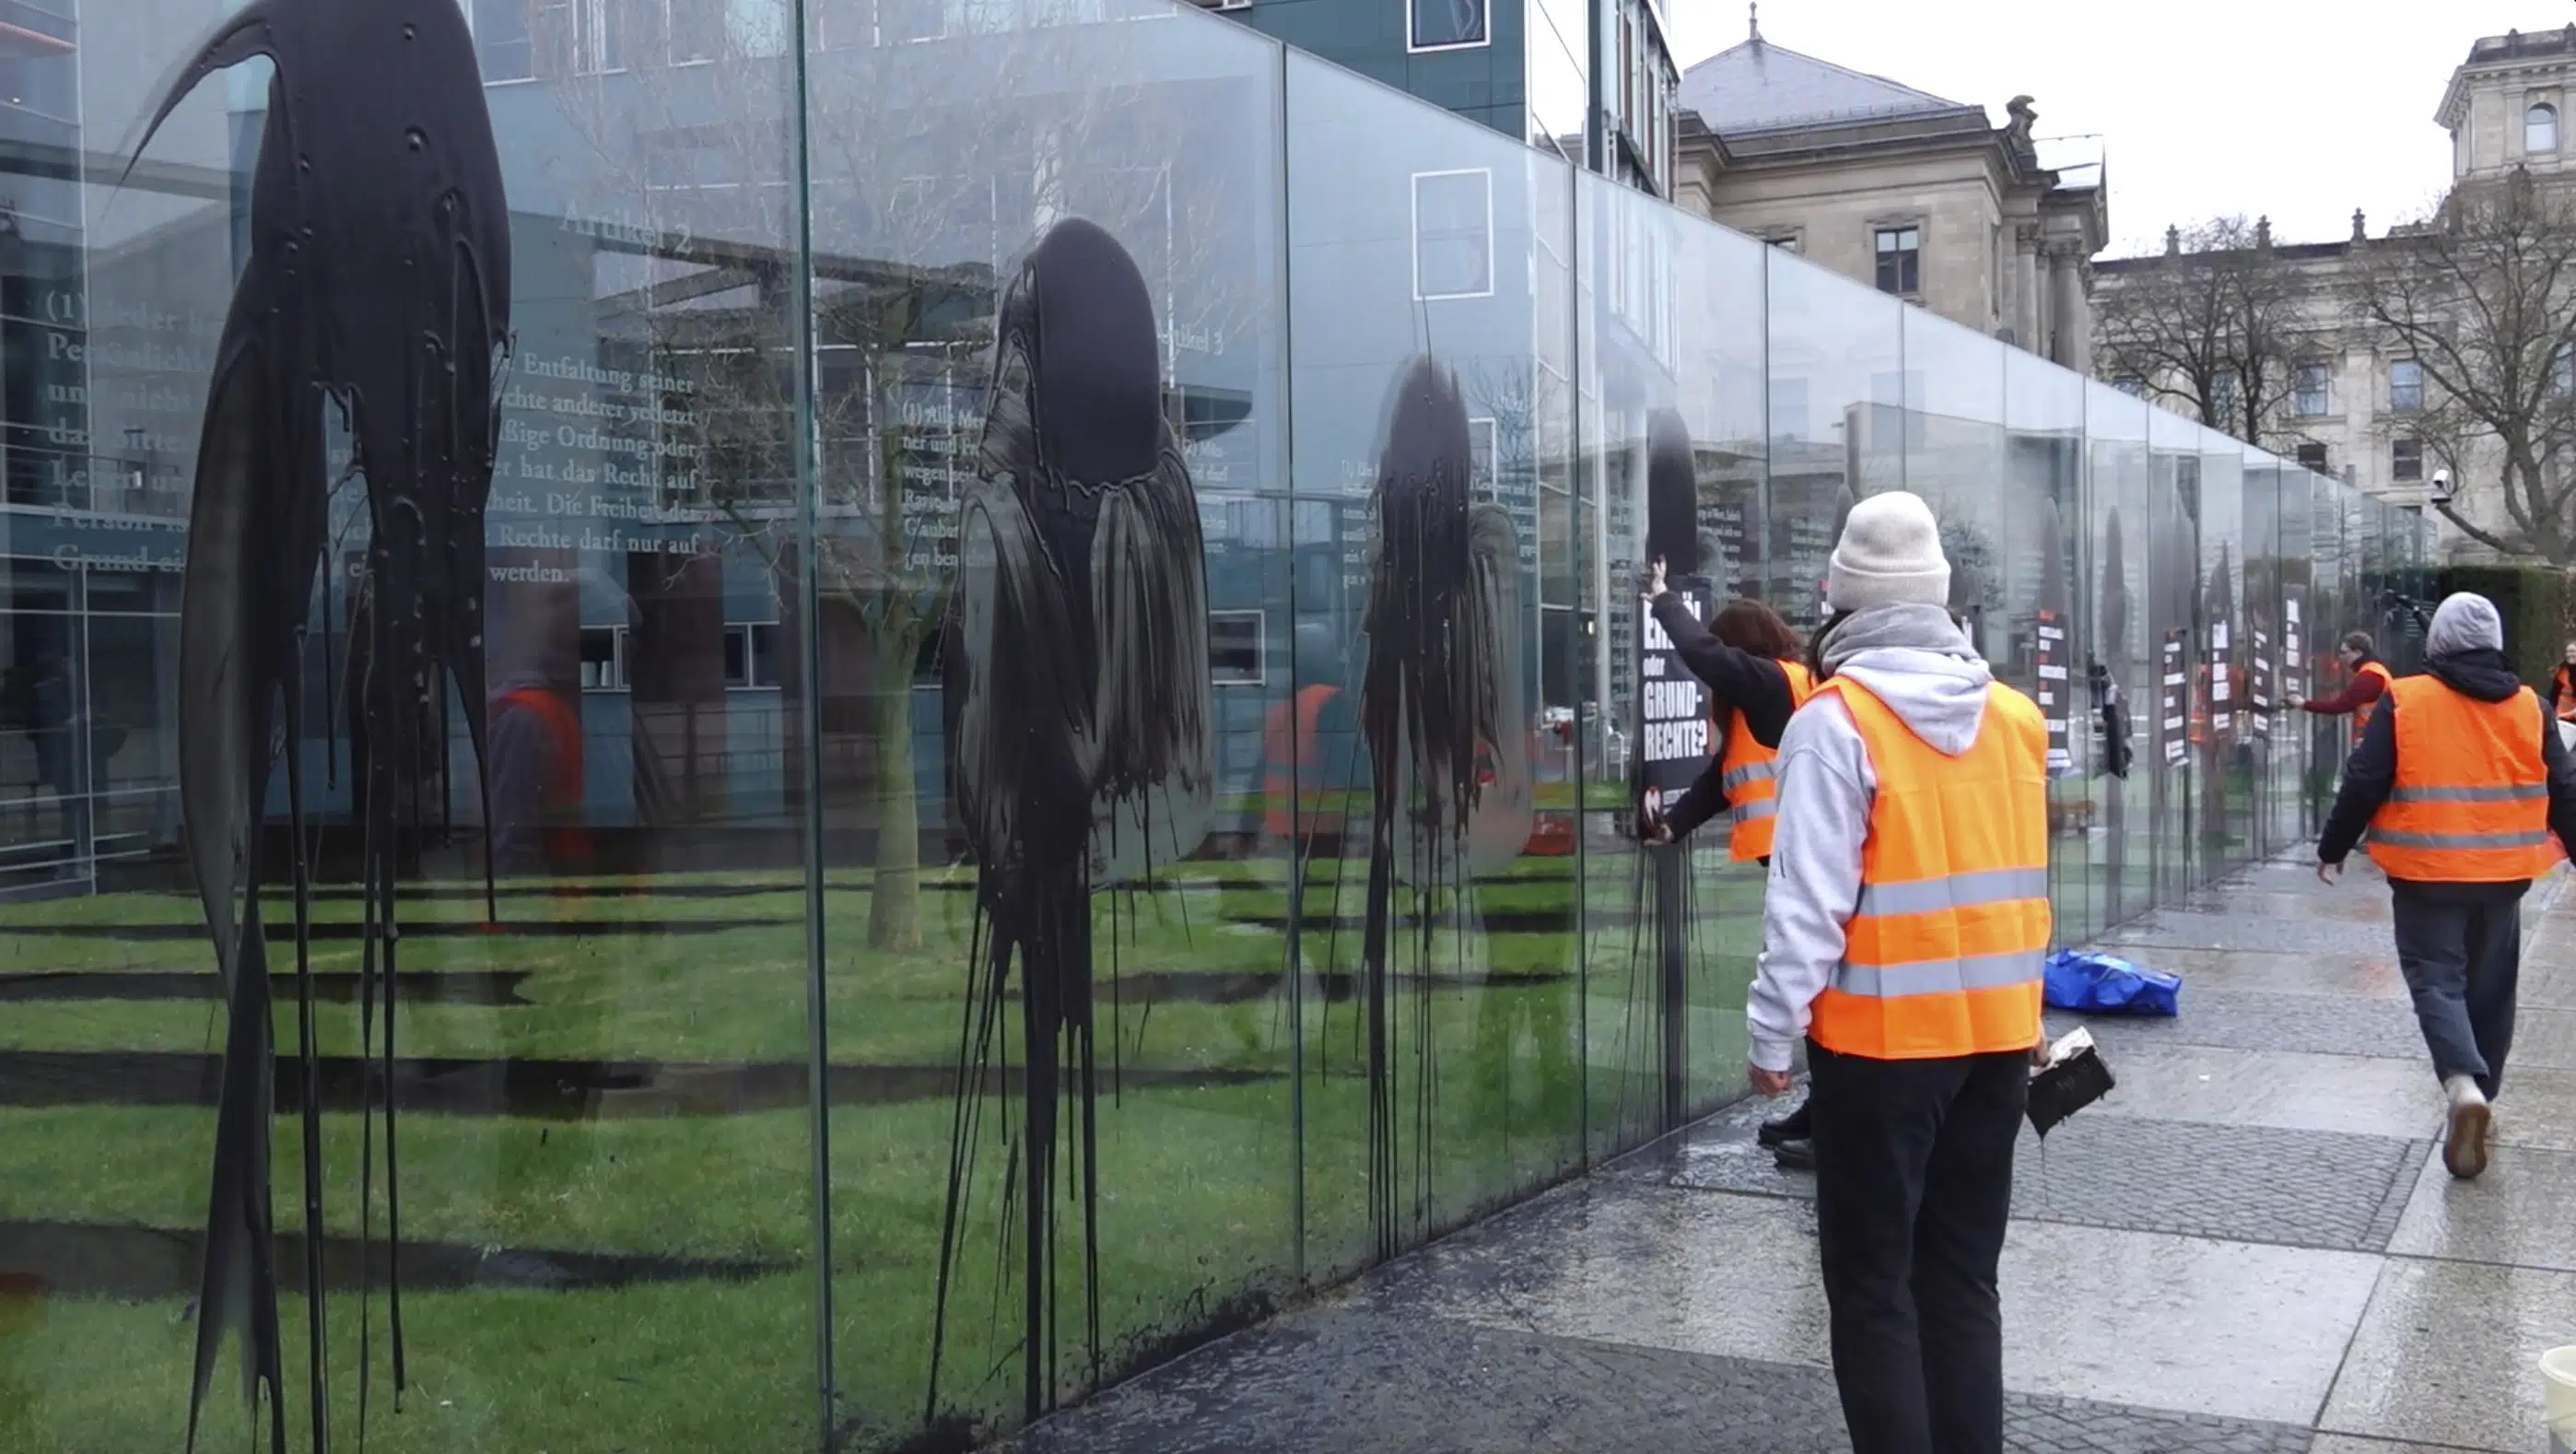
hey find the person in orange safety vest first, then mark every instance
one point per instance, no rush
(1903, 933)
(2562, 686)
(2366, 679)
(2460, 781)
(1748, 657)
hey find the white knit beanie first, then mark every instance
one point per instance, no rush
(1890, 554)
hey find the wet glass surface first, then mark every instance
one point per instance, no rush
(1012, 733)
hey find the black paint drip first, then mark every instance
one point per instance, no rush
(1441, 712)
(1078, 705)
(378, 279)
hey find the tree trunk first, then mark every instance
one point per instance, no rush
(894, 909)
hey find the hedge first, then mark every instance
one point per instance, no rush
(2535, 601)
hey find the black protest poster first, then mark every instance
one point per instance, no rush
(2050, 668)
(1673, 740)
(2172, 708)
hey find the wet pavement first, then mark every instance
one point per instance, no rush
(2250, 1246)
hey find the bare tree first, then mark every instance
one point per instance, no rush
(2210, 326)
(2483, 296)
(921, 199)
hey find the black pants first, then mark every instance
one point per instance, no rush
(1914, 1162)
(2461, 948)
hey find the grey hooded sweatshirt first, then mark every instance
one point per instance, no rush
(1916, 660)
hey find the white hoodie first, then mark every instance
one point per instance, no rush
(1916, 660)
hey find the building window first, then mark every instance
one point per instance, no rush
(1480, 458)
(2562, 369)
(2226, 400)
(1447, 24)
(2308, 391)
(2406, 386)
(603, 658)
(2540, 129)
(1900, 261)
(2313, 456)
(751, 655)
(1453, 234)
(1787, 242)
(501, 41)
(1234, 648)
(2135, 388)
(2406, 459)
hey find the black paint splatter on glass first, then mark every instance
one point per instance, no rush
(1078, 709)
(377, 282)
(1672, 495)
(1447, 733)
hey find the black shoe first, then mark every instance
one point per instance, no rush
(1795, 1126)
(1794, 1156)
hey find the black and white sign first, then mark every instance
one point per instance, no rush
(2049, 665)
(2173, 700)
(1673, 738)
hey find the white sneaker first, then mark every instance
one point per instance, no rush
(2465, 1154)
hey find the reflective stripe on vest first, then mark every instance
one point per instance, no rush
(2470, 803)
(1751, 774)
(2362, 714)
(1944, 950)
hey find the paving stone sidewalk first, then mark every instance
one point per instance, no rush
(2251, 1246)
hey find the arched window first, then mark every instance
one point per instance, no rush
(2540, 129)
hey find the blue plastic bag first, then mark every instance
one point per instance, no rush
(2097, 984)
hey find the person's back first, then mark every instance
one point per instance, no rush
(1904, 931)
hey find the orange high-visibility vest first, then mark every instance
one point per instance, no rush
(2566, 683)
(1945, 949)
(1751, 774)
(2362, 714)
(2470, 803)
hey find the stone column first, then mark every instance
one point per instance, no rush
(2069, 316)
(2026, 303)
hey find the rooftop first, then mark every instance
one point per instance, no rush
(1758, 87)
(2514, 45)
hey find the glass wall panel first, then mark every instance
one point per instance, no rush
(1835, 416)
(1430, 281)
(2222, 740)
(2267, 603)
(553, 1138)
(1049, 324)
(2047, 555)
(1721, 395)
(2332, 590)
(1673, 454)
(2124, 664)
(2173, 627)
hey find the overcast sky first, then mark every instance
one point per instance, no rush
(2205, 107)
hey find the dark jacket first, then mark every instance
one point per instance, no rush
(1757, 686)
(2372, 769)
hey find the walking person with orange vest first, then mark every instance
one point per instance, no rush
(1903, 934)
(2366, 681)
(1748, 657)
(2562, 686)
(2461, 780)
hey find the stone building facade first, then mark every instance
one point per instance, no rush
(2352, 391)
(1921, 197)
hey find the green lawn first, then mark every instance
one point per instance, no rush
(1526, 1039)
(1497, 1085)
